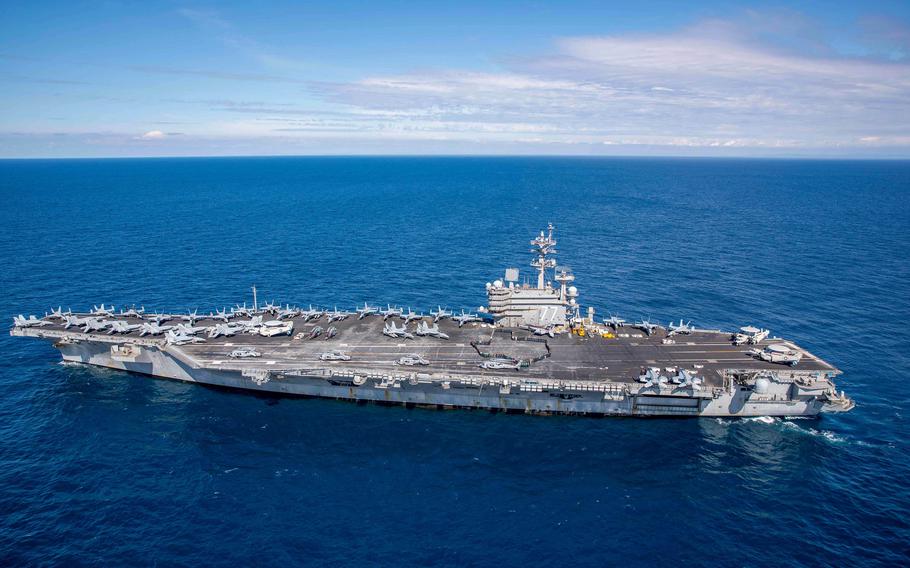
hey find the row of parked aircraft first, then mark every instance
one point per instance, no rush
(98, 312)
(652, 377)
(649, 327)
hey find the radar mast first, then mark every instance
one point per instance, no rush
(544, 245)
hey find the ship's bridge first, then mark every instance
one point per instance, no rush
(514, 305)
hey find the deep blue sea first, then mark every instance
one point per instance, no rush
(107, 468)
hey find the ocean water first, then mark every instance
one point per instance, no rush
(103, 467)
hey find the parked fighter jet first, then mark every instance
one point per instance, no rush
(464, 318)
(241, 311)
(685, 379)
(311, 314)
(224, 330)
(680, 328)
(271, 308)
(30, 321)
(652, 378)
(366, 310)
(316, 332)
(288, 312)
(58, 314)
(181, 339)
(501, 363)
(389, 311)
(93, 324)
(189, 329)
(334, 356)
(331, 332)
(192, 317)
(392, 330)
(614, 322)
(160, 318)
(440, 313)
(73, 320)
(424, 329)
(102, 310)
(132, 312)
(337, 315)
(222, 315)
(251, 325)
(646, 326)
(118, 326)
(548, 330)
(412, 360)
(244, 353)
(153, 328)
(411, 316)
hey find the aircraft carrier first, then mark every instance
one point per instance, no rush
(532, 349)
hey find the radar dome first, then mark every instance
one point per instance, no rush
(489, 285)
(573, 290)
(498, 283)
(762, 385)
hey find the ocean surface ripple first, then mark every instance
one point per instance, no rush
(104, 467)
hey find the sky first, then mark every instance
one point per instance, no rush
(698, 78)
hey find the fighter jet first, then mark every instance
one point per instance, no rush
(192, 317)
(311, 314)
(646, 326)
(424, 329)
(224, 330)
(241, 311)
(251, 325)
(440, 313)
(160, 318)
(189, 329)
(271, 308)
(288, 312)
(93, 324)
(316, 332)
(244, 353)
(614, 322)
(222, 315)
(102, 310)
(501, 363)
(181, 339)
(58, 314)
(411, 316)
(30, 321)
(392, 330)
(389, 311)
(685, 379)
(412, 360)
(153, 328)
(548, 330)
(117, 326)
(652, 378)
(680, 328)
(73, 320)
(132, 312)
(337, 316)
(334, 356)
(366, 310)
(331, 332)
(464, 318)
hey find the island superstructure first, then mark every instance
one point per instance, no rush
(532, 349)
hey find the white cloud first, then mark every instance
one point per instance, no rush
(153, 135)
(709, 86)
